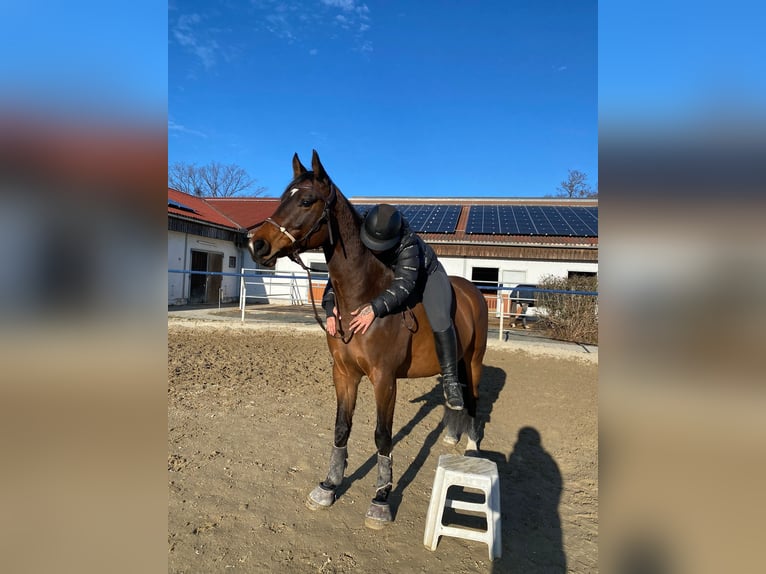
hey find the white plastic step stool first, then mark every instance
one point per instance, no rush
(476, 474)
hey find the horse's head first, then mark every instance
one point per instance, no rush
(301, 221)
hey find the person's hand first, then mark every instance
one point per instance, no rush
(332, 322)
(363, 318)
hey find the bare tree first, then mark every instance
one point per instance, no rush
(576, 185)
(211, 180)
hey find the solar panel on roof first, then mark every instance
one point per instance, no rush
(584, 219)
(545, 220)
(440, 219)
(425, 218)
(529, 220)
(179, 205)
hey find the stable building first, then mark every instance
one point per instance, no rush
(497, 243)
(203, 243)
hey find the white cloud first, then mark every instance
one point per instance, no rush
(179, 128)
(292, 21)
(279, 25)
(187, 34)
(342, 4)
(365, 47)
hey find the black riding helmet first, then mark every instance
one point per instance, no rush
(382, 227)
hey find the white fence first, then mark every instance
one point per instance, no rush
(268, 286)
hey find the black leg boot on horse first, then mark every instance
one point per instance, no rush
(446, 351)
(379, 513)
(323, 496)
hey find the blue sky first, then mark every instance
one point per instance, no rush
(666, 64)
(455, 99)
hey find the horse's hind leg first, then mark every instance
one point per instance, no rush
(379, 512)
(454, 421)
(473, 377)
(346, 387)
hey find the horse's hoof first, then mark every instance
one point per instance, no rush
(320, 497)
(450, 439)
(378, 516)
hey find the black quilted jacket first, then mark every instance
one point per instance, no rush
(412, 261)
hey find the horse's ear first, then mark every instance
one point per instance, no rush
(317, 167)
(298, 168)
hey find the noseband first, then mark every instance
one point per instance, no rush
(282, 229)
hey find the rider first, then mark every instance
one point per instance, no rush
(416, 271)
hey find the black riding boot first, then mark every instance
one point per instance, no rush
(446, 350)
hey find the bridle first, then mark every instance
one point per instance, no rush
(296, 244)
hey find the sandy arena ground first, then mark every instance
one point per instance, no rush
(250, 422)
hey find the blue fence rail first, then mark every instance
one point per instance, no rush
(323, 279)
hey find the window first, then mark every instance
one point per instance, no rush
(512, 277)
(485, 278)
(232, 261)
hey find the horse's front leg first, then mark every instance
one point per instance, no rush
(379, 512)
(346, 385)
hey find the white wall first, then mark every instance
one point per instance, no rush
(180, 246)
(178, 283)
(523, 271)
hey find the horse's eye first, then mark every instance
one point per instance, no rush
(307, 201)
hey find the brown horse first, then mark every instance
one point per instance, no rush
(312, 214)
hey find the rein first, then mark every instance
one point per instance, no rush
(295, 257)
(294, 254)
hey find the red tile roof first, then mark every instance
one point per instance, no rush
(192, 207)
(247, 211)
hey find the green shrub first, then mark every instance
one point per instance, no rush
(569, 317)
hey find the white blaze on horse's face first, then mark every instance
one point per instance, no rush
(293, 191)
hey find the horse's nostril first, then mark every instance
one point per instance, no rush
(259, 247)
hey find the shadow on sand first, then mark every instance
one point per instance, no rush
(530, 484)
(530, 492)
